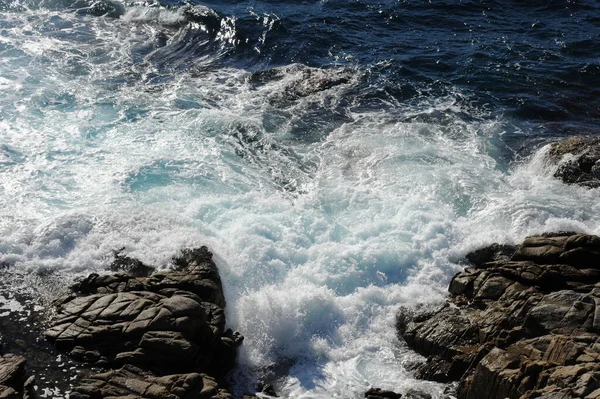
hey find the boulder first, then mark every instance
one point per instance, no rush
(519, 323)
(164, 331)
(577, 159)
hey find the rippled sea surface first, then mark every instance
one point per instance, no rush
(339, 158)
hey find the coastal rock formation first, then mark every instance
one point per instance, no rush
(520, 323)
(130, 382)
(170, 324)
(12, 376)
(578, 159)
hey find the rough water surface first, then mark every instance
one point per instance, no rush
(338, 158)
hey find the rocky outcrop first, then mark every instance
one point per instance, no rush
(577, 158)
(130, 382)
(162, 334)
(12, 376)
(521, 322)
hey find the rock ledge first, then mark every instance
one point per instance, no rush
(521, 322)
(158, 335)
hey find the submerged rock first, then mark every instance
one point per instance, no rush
(297, 81)
(578, 159)
(378, 393)
(517, 327)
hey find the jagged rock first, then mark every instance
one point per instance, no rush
(517, 328)
(578, 159)
(494, 252)
(12, 370)
(12, 376)
(169, 322)
(195, 272)
(129, 265)
(133, 383)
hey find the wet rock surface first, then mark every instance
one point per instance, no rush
(131, 382)
(578, 159)
(378, 393)
(23, 318)
(12, 376)
(159, 334)
(520, 323)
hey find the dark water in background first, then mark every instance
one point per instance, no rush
(533, 61)
(339, 157)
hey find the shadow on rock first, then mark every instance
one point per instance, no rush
(519, 326)
(578, 160)
(162, 335)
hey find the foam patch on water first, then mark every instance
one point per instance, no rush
(168, 17)
(324, 218)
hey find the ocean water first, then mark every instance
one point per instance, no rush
(339, 158)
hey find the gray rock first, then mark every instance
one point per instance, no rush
(524, 327)
(133, 383)
(12, 370)
(12, 376)
(172, 321)
(577, 158)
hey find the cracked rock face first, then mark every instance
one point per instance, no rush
(136, 327)
(518, 325)
(12, 376)
(132, 383)
(160, 333)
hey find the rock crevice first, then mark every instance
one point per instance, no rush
(159, 335)
(521, 322)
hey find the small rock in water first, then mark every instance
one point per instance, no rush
(415, 394)
(577, 159)
(377, 393)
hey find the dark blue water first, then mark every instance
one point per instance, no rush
(532, 61)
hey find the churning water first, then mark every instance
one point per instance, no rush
(338, 157)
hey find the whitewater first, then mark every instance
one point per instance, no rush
(328, 200)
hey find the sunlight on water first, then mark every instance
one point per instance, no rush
(324, 215)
